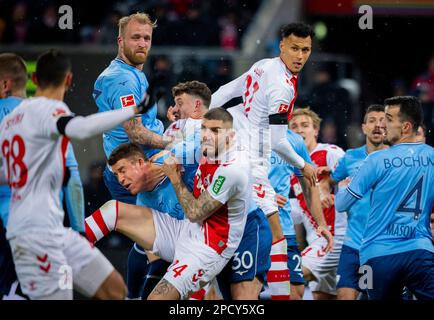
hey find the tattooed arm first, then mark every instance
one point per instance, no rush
(196, 210)
(137, 133)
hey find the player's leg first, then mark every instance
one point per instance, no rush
(133, 221)
(419, 274)
(295, 269)
(157, 269)
(137, 268)
(348, 274)
(251, 260)
(278, 275)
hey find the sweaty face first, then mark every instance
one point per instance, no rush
(294, 51)
(130, 174)
(393, 125)
(303, 125)
(214, 137)
(136, 42)
(374, 127)
(184, 105)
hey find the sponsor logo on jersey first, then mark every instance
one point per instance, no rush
(128, 101)
(218, 184)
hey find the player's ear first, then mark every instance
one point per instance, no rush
(68, 79)
(34, 79)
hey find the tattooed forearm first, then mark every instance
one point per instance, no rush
(137, 133)
(195, 209)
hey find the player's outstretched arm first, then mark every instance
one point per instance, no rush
(74, 198)
(85, 127)
(227, 92)
(137, 133)
(312, 197)
(195, 209)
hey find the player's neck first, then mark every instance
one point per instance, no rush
(370, 147)
(51, 93)
(19, 94)
(312, 146)
(125, 59)
(407, 138)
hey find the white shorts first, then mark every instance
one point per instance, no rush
(47, 262)
(194, 264)
(323, 266)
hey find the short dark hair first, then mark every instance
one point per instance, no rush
(51, 68)
(130, 151)
(195, 88)
(13, 66)
(410, 109)
(373, 108)
(219, 114)
(298, 29)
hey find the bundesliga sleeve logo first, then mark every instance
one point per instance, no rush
(283, 108)
(128, 101)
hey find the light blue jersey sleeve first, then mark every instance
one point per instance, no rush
(341, 171)
(359, 185)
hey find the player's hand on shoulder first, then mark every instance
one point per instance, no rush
(171, 167)
(308, 172)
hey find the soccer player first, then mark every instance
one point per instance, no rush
(349, 262)
(319, 267)
(280, 176)
(397, 248)
(120, 85)
(269, 89)
(34, 137)
(203, 243)
(14, 76)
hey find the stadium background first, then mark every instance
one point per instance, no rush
(214, 41)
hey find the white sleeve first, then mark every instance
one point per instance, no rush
(228, 91)
(86, 127)
(281, 145)
(334, 154)
(296, 211)
(226, 182)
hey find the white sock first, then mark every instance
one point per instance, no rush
(278, 275)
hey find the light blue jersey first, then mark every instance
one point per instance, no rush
(348, 166)
(279, 175)
(402, 180)
(121, 85)
(163, 198)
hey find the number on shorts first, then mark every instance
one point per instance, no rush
(416, 210)
(15, 151)
(246, 260)
(298, 266)
(178, 270)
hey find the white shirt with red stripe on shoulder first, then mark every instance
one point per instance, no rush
(33, 155)
(227, 181)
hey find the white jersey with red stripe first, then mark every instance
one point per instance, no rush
(227, 181)
(323, 155)
(267, 88)
(33, 154)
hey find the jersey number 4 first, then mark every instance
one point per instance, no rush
(403, 206)
(14, 152)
